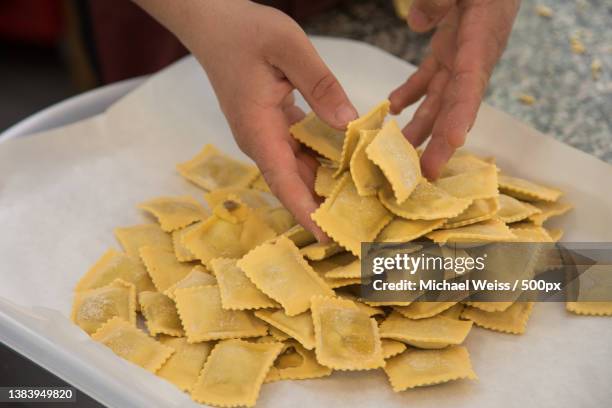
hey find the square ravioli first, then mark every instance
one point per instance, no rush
(185, 364)
(163, 267)
(527, 190)
(349, 218)
(234, 372)
(492, 230)
(278, 269)
(370, 121)
(173, 213)
(204, 318)
(403, 230)
(93, 307)
(427, 202)
(399, 162)
(299, 327)
(251, 198)
(296, 363)
(481, 209)
(160, 314)
(132, 344)
(471, 185)
(211, 169)
(198, 276)
(319, 136)
(116, 265)
(346, 337)
(135, 237)
(230, 232)
(367, 176)
(431, 333)
(324, 180)
(511, 320)
(183, 254)
(237, 291)
(416, 368)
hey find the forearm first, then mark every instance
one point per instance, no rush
(199, 24)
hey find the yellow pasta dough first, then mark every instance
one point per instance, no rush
(116, 265)
(590, 308)
(135, 237)
(548, 210)
(229, 233)
(300, 236)
(513, 210)
(422, 310)
(403, 230)
(173, 213)
(278, 270)
(349, 218)
(346, 337)
(163, 267)
(319, 136)
(93, 307)
(427, 202)
(237, 291)
(204, 318)
(133, 345)
(234, 372)
(325, 181)
(252, 198)
(368, 178)
(430, 333)
(181, 252)
(260, 184)
(397, 159)
(370, 121)
(211, 169)
(277, 218)
(160, 314)
(391, 348)
(299, 327)
(319, 250)
(471, 185)
(416, 368)
(527, 190)
(296, 363)
(511, 320)
(198, 276)
(481, 209)
(492, 230)
(185, 364)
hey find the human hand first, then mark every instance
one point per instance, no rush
(255, 57)
(469, 39)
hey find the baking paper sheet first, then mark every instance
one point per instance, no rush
(63, 191)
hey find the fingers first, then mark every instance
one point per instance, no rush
(481, 38)
(305, 69)
(425, 14)
(414, 87)
(420, 126)
(435, 156)
(268, 143)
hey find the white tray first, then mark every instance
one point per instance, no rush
(62, 192)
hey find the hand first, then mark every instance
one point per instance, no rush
(469, 40)
(255, 56)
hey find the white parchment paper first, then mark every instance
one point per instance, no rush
(63, 191)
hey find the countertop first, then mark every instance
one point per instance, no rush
(570, 104)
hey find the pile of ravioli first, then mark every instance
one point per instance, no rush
(238, 295)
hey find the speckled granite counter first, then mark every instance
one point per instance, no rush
(569, 103)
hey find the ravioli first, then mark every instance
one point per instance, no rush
(173, 213)
(397, 159)
(211, 169)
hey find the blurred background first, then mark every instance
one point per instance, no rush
(555, 74)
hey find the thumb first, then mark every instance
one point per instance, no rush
(305, 69)
(426, 14)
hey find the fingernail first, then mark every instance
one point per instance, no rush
(418, 19)
(345, 113)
